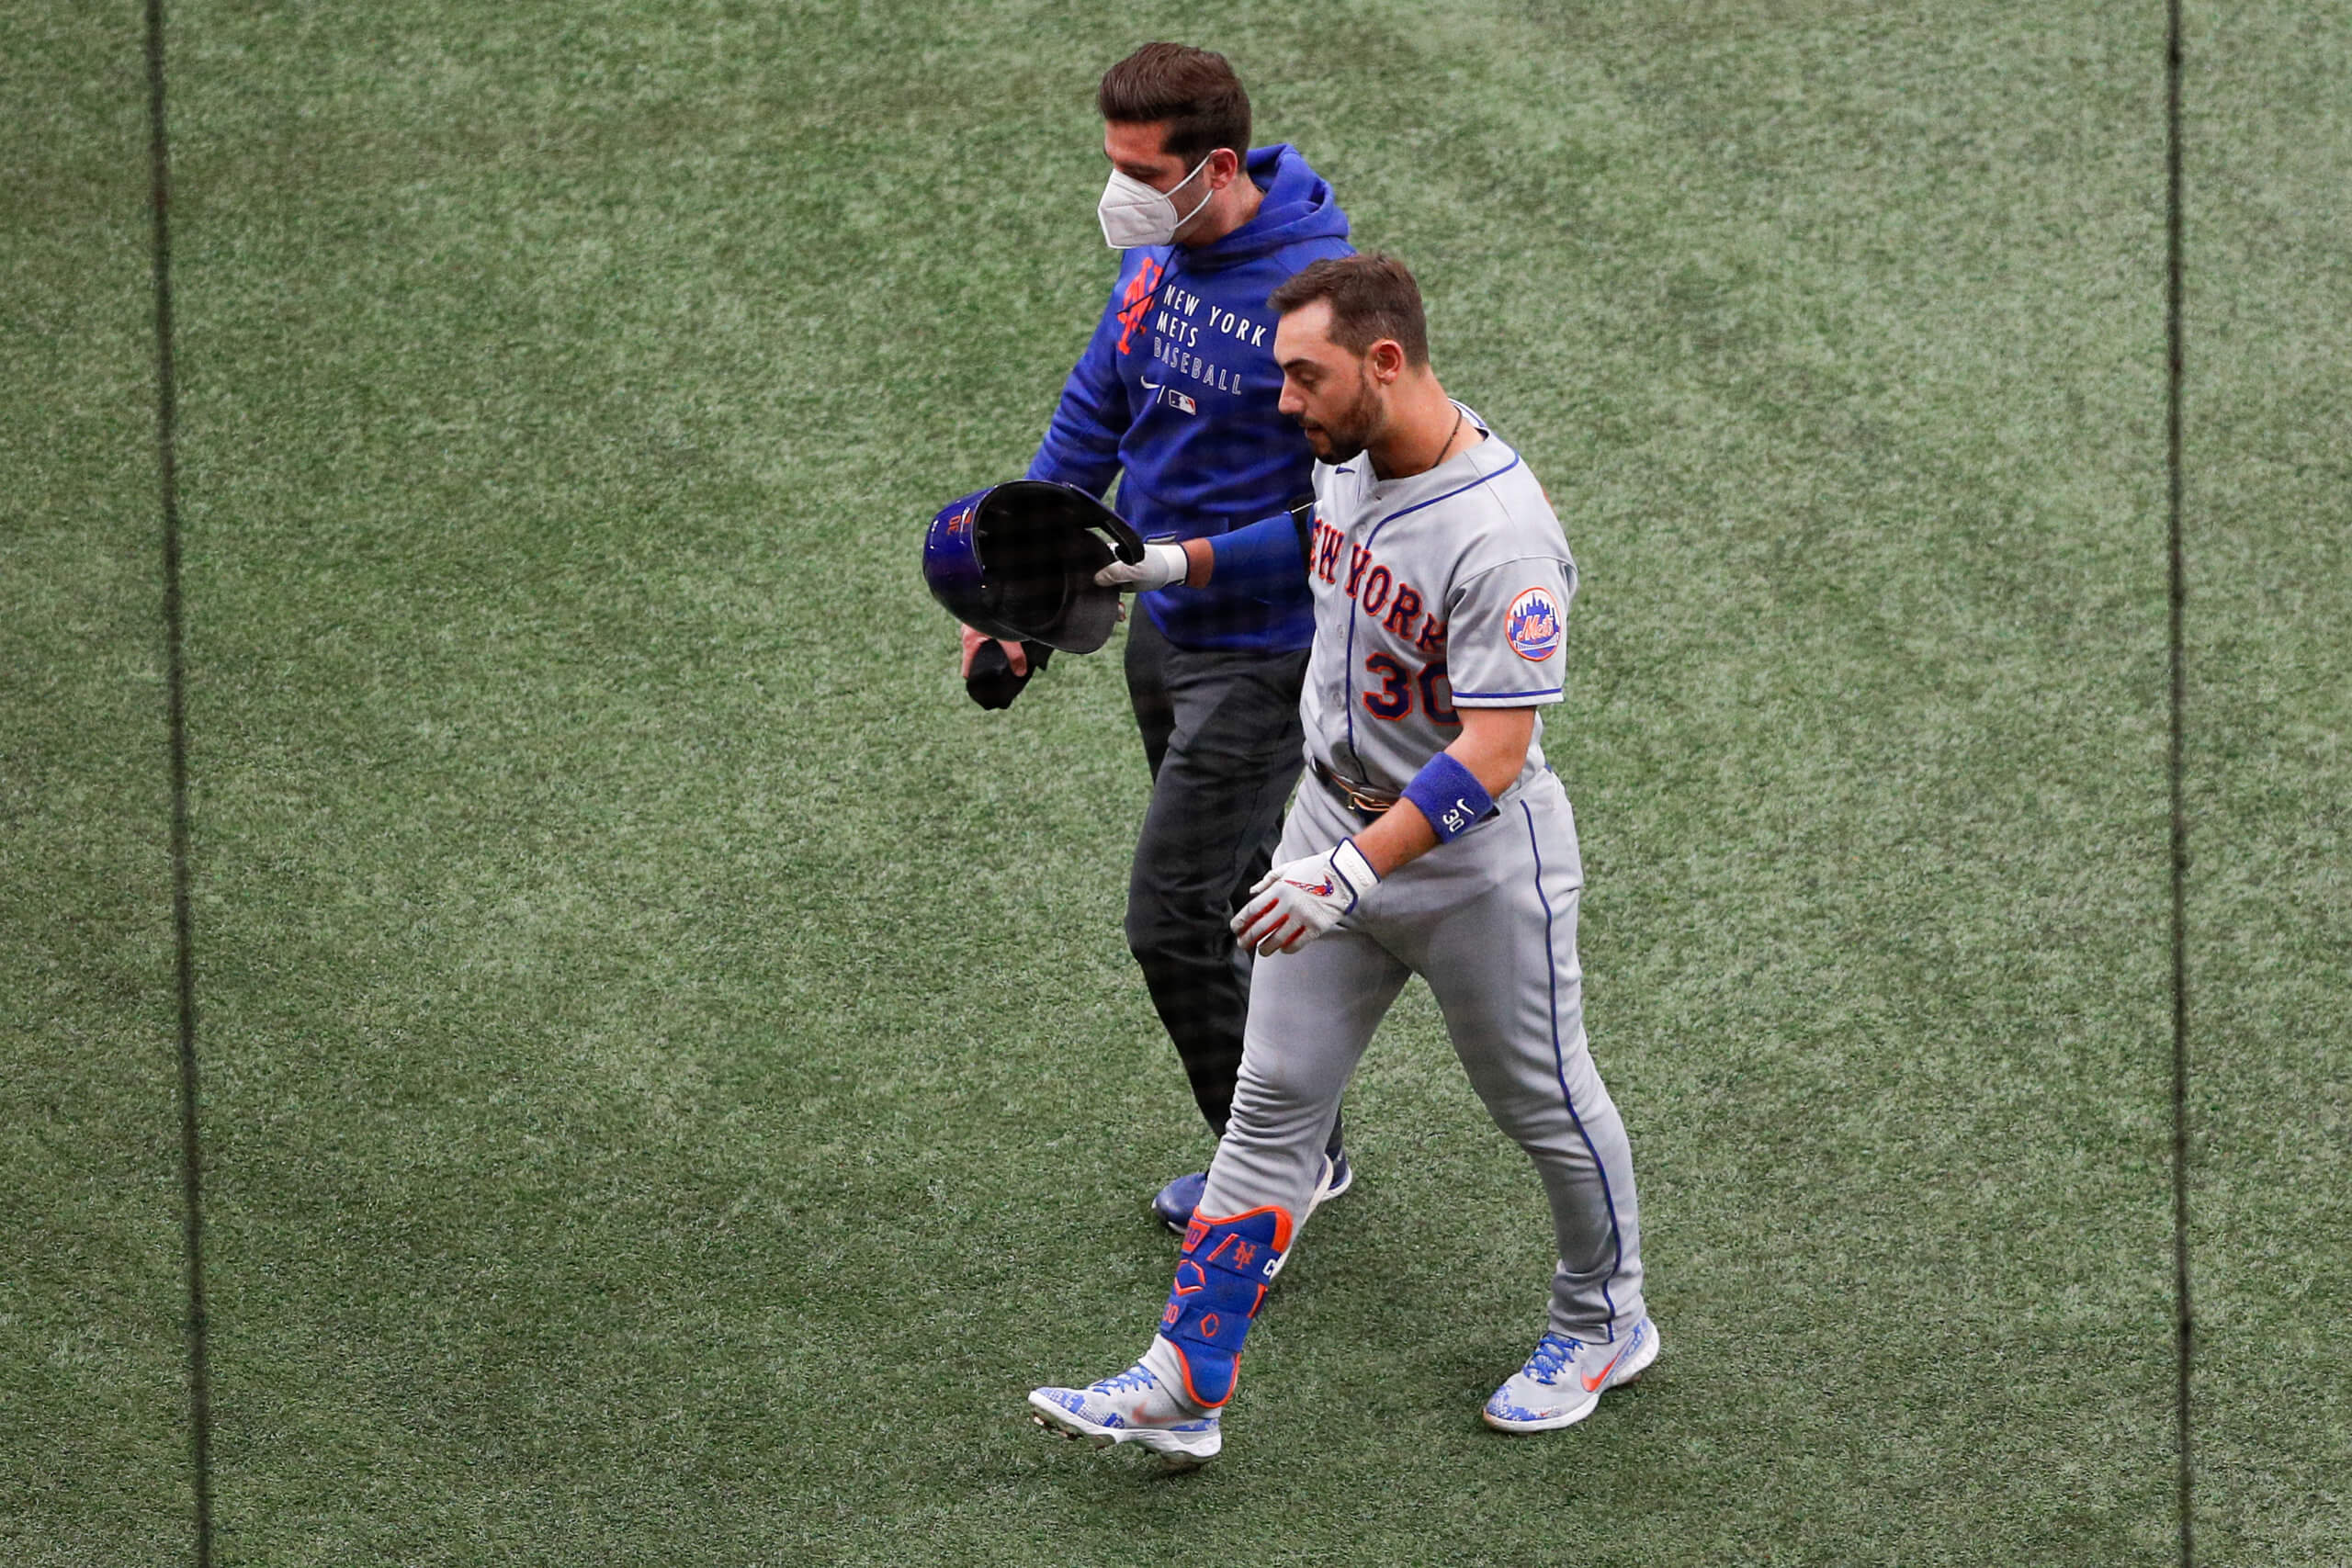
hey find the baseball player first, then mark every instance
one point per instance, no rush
(1432, 840)
(1175, 398)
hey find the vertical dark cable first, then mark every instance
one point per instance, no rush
(2178, 596)
(191, 1153)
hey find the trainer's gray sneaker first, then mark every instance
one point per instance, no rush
(1565, 1378)
(1338, 1176)
(1174, 1204)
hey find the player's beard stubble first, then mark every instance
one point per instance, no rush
(1343, 437)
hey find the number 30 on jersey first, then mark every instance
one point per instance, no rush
(1399, 683)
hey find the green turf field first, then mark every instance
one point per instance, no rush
(672, 1079)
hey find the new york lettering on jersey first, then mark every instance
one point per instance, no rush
(1439, 591)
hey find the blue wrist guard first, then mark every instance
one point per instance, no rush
(1450, 795)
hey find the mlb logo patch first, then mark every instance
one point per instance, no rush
(1532, 624)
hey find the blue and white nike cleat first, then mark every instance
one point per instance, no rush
(1138, 1405)
(1565, 1378)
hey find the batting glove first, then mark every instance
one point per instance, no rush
(1161, 565)
(1301, 899)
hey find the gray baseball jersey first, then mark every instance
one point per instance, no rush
(1442, 591)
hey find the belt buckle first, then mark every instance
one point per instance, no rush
(1369, 805)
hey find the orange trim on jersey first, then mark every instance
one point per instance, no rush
(1405, 606)
(1395, 685)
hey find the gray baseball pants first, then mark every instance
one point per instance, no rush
(1489, 920)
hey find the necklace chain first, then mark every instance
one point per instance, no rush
(1449, 439)
(1440, 451)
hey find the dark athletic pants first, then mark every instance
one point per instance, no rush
(1221, 732)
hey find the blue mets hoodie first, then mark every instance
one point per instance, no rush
(1176, 392)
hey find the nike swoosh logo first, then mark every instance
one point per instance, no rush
(1601, 1376)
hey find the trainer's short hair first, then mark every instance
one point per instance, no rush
(1193, 91)
(1372, 296)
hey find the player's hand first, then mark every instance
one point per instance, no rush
(1300, 900)
(1161, 565)
(1015, 655)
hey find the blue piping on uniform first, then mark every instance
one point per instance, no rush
(1348, 691)
(1560, 1070)
(1432, 501)
(1544, 692)
(1348, 669)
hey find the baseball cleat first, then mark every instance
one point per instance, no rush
(1174, 1204)
(1565, 1378)
(1138, 1405)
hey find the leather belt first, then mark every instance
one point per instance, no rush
(1365, 803)
(1369, 803)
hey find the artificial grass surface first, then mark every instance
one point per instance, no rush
(2271, 968)
(93, 1419)
(671, 1082)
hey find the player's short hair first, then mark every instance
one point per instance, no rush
(1372, 296)
(1193, 91)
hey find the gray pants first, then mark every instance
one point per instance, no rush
(1489, 920)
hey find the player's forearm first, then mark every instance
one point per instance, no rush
(1402, 835)
(1493, 745)
(1491, 749)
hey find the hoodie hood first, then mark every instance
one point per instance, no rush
(1298, 205)
(1178, 398)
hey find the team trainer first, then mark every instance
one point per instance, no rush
(1175, 396)
(1433, 841)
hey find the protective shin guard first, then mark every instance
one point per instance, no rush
(1220, 1282)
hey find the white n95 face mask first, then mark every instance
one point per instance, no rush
(1134, 214)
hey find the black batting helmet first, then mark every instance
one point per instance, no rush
(1018, 560)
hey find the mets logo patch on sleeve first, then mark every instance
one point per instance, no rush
(1532, 624)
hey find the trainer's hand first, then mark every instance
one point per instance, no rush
(1015, 655)
(1161, 565)
(1300, 900)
